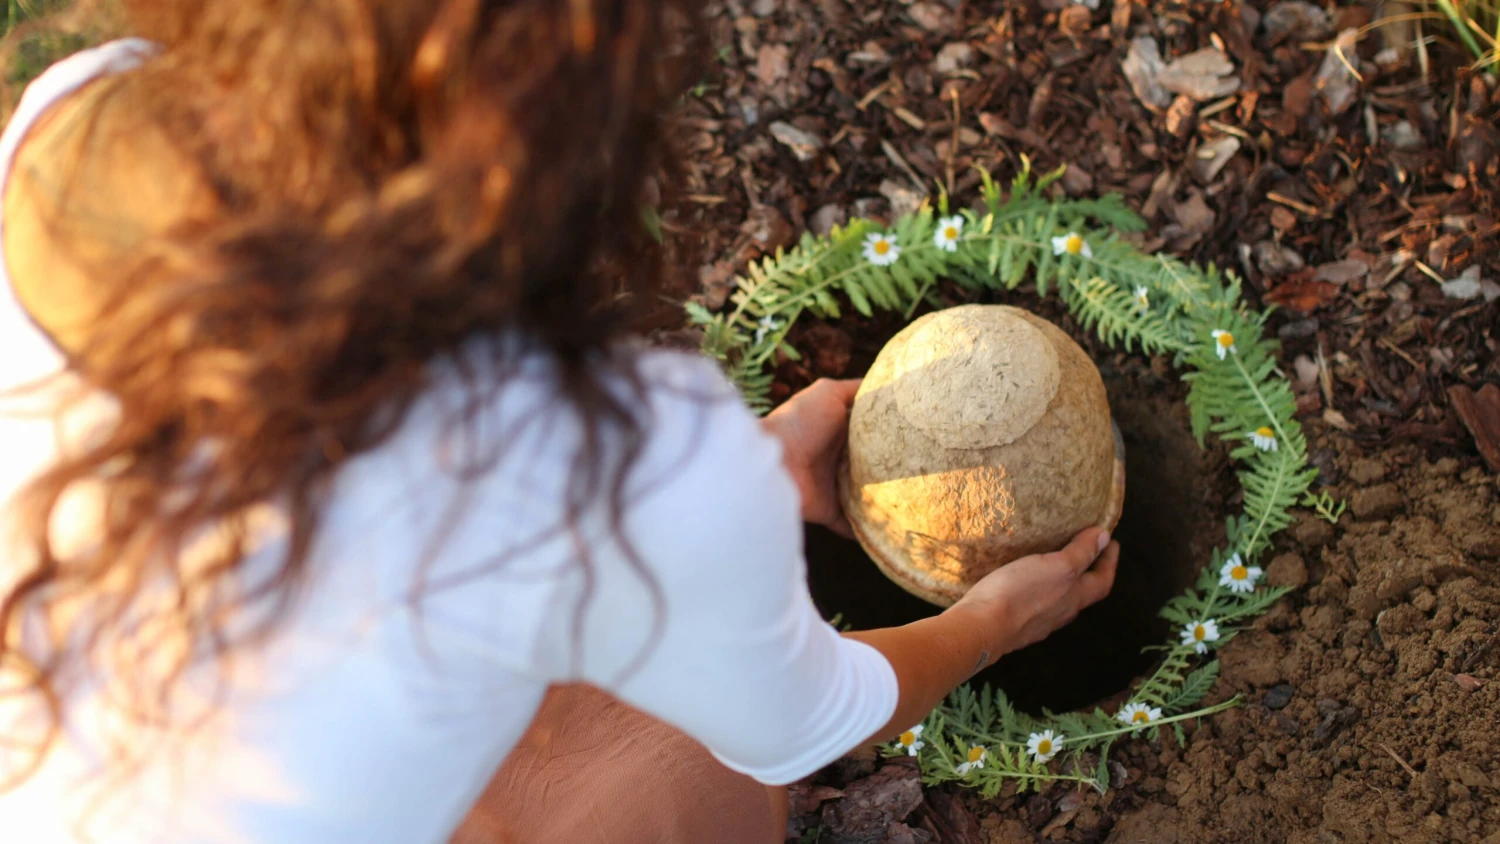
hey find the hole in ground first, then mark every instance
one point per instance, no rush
(1165, 534)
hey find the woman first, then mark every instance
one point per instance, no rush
(327, 453)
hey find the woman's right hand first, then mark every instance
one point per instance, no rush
(1019, 604)
(1025, 601)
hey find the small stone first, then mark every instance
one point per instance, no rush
(1287, 570)
(903, 199)
(803, 144)
(1299, 329)
(768, 228)
(1277, 697)
(1074, 20)
(1341, 272)
(1467, 286)
(870, 207)
(1077, 181)
(1296, 18)
(1401, 135)
(1335, 81)
(1468, 682)
(772, 63)
(1376, 502)
(1367, 470)
(1202, 74)
(1307, 371)
(1274, 259)
(1313, 532)
(825, 218)
(1212, 157)
(933, 17)
(1141, 66)
(952, 57)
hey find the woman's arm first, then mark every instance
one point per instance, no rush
(723, 640)
(1017, 605)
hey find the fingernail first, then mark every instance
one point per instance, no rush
(1103, 541)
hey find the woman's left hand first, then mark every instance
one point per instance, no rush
(812, 426)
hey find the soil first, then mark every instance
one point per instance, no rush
(1373, 691)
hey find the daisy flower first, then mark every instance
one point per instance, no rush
(1137, 714)
(1044, 745)
(881, 249)
(767, 324)
(1264, 438)
(1071, 243)
(1237, 576)
(911, 741)
(1223, 342)
(948, 230)
(1200, 633)
(977, 755)
(1142, 301)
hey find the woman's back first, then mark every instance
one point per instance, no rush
(454, 576)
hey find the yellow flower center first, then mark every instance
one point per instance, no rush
(1199, 632)
(882, 247)
(1140, 717)
(1073, 245)
(908, 738)
(976, 753)
(1043, 747)
(1239, 573)
(950, 233)
(1226, 339)
(1264, 431)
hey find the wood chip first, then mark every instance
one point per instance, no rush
(1480, 413)
(909, 119)
(1292, 203)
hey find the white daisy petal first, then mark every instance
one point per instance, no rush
(1044, 745)
(1198, 634)
(1237, 576)
(1142, 299)
(1223, 343)
(881, 249)
(946, 235)
(1071, 243)
(766, 325)
(1138, 714)
(977, 756)
(1263, 438)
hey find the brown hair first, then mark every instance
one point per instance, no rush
(391, 180)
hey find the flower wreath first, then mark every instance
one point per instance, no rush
(1130, 299)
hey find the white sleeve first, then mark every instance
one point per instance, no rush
(740, 659)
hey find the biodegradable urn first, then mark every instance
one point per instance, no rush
(981, 434)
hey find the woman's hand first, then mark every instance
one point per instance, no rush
(1017, 605)
(812, 426)
(1025, 601)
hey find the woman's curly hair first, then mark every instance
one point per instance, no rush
(391, 180)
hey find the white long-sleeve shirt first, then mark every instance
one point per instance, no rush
(372, 715)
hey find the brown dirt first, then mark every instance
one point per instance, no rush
(1373, 692)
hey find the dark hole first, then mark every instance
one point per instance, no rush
(1165, 532)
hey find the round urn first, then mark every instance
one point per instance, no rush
(980, 435)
